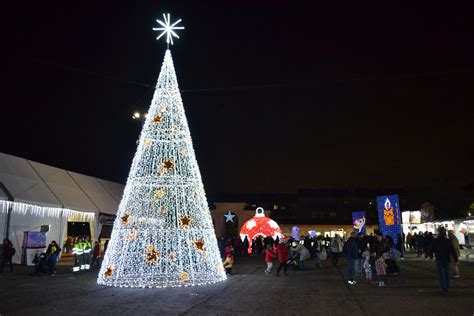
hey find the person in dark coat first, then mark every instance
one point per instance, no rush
(245, 246)
(351, 251)
(379, 246)
(444, 250)
(419, 243)
(361, 247)
(8, 253)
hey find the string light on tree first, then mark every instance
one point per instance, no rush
(163, 235)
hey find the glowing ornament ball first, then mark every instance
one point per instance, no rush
(260, 225)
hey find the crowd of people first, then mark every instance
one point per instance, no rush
(372, 257)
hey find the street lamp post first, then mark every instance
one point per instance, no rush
(140, 117)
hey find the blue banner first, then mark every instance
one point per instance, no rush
(389, 216)
(358, 222)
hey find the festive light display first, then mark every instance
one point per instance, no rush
(260, 225)
(229, 217)
(358, 222)
(44, 211)
(163, 235)
(389, 216)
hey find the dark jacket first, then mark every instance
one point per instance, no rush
(351, 249)
(443, 249)
(361, 246)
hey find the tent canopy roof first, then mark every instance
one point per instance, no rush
(36, 183)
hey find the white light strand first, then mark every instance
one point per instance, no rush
(44, 211)
(163, 235)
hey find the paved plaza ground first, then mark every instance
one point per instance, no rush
(248, 291)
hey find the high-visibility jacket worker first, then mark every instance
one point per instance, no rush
(87, 247)
(78, 251)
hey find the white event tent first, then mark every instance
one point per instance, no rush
(34, 194)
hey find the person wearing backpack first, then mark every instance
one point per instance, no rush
(8, 253)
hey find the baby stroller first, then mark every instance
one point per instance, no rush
(41, 264)
(293, 261)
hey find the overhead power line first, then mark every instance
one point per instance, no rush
(263, 86)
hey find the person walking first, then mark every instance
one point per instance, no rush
(269, 256)
(352, 254)
(455, 242)
(228, 263)
(52, 254)
(8, 253)
(282, 252)
(443, 250)
(336, 249)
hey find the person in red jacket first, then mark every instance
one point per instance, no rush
(269, 256)
(282, 251)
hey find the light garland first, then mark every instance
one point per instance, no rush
(167, 238)
(45, 211)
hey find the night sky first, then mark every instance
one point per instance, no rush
(347, 96)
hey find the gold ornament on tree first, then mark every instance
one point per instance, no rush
(156, 119)
(166, 166)
(184, 277)
(152, 255)
(109, 271)
(146, 142)
(133, 235)
(159, 193)
(199, 245)
(185, 221)
(126, 218)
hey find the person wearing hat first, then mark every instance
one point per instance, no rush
(443, 250)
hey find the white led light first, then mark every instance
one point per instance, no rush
(168, 28)
(163, 218)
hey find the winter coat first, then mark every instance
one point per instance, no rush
(336, 245)
(302, 251)
(351, 249)
(443, 249)
(380, 266)
(269, 255)
(228, 262)
(361, 246)
(366, 264)
(455, 242)
(282, 250)
(96, 251)
(8, 251)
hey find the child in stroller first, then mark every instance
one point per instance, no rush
(41, 264)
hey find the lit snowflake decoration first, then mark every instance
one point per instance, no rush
(251, 224)
(168, 28)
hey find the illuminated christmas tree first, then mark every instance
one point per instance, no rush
(163, 235)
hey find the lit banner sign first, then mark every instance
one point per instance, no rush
(358, 222)
(389, 216)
